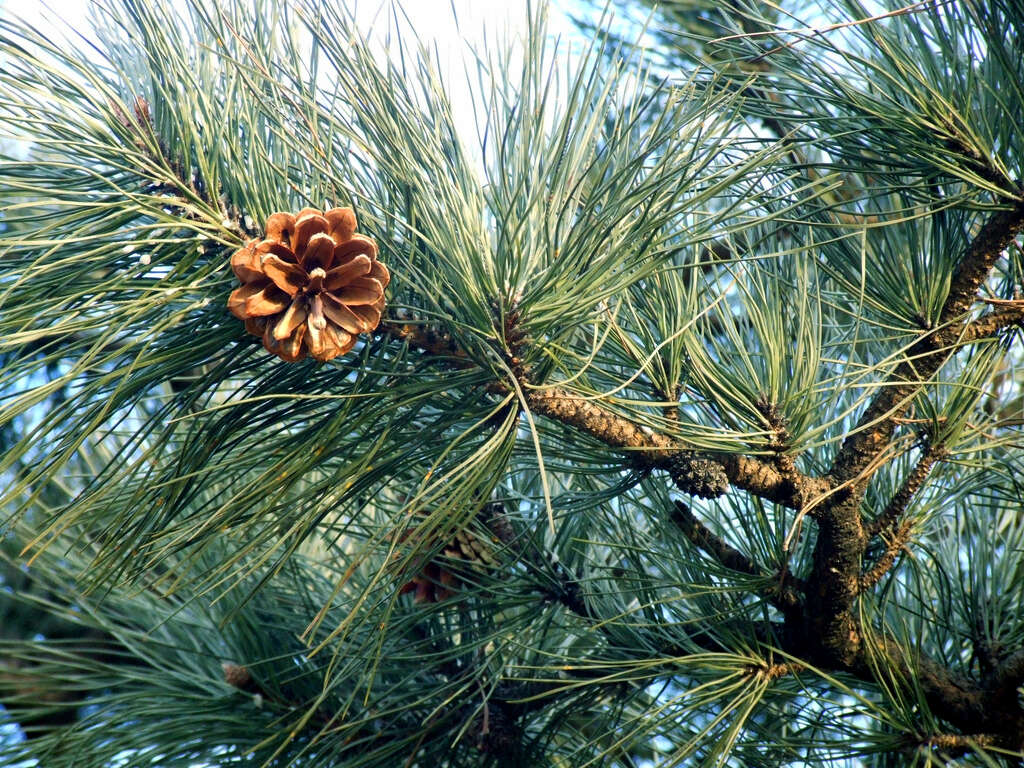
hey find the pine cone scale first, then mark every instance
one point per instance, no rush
(268, 300)
(290, 278)
(369, 314)
(306, 228)
(280, 227)
(292, 318)
(357, 246)
(270, 246)
(236, 302)
(339, 276)
(380, 273)
(245, 263)
(342, 316)
(362, 290)
(342, 223)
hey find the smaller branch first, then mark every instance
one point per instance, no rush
(670, 411)
(959, 744)
(785, 596)
(979, 164)
(702, 538)
(650, 448)
(566, 589)
(924, 358)
(146, 138)
(657, 449)
(1009, 315)
(911, 485)
(569, 594)
(897, 543)
(779, 444)
(428, 340)
(618, 432)
(773, 672)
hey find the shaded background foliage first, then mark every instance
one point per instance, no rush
(714, 341)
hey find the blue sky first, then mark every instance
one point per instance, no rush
(456, 27)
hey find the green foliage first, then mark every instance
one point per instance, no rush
(735, 246)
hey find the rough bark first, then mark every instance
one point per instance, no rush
(924, 358)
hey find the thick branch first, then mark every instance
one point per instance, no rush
(834, 585)
(860, 450)
(1010, 675)
(970, 706)
(842, 540)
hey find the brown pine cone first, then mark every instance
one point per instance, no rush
(497, 522)
(439, 579)
(698, 476)
(238, 676)
(311, 286)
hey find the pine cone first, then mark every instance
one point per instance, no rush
(236, 675)
(502, 734)
(497, 523)
(701, 477)
(438, 580)
(311, 286)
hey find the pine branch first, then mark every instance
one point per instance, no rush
(647, 446)
(1006, 316)
(785, 596)
(156, 149)
(896, 542)
(970, 706)
(957, 745)
(354, 436)
(833, 585)
(876, 426)
(1011, 672)
(913, 482)
(842, 539)
(1007, 676)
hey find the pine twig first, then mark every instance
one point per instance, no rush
(897, 543)
(772, 672)
(887, 523)
(785, 596)
(911, 485)
(958, 744)
(1007, 316)
(701, 537)
(140, 124)
(648, 446)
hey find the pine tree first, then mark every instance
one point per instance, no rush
(674, 418)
